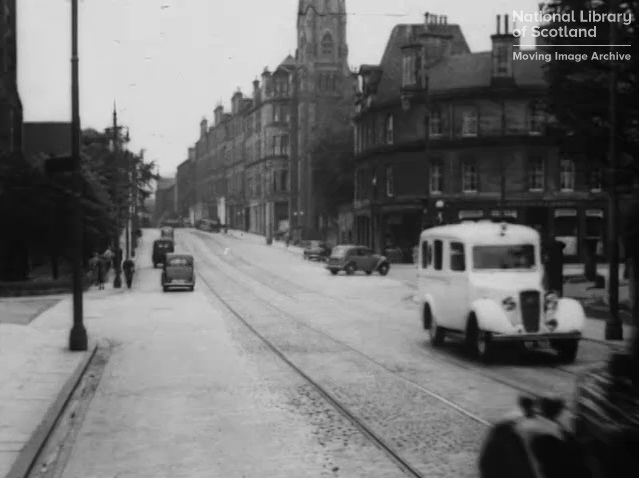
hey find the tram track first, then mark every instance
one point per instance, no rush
(220, 282)
(379, 441)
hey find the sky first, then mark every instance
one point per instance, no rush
(167, 63)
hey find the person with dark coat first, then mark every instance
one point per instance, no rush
(128, 266)
(100, 273)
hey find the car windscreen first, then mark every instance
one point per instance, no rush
(179, 262)
(339, 251)
(519, 256)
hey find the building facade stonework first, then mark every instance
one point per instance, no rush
(255, 163)
(444, 135)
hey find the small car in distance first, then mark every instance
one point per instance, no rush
(316, 251)
(178, 272)
(162, 247)
(483, 282)
(166, 232)
(351, 258)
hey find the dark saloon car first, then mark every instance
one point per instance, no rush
(350, 259)
(178, 272)
(316, 251)
(161, 247)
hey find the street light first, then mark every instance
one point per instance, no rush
(78, 340)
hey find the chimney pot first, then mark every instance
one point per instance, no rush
(426, 15)
(498, 24)
(506, 24)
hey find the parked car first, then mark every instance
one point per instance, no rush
(162, 247)
(316, 251)
(350, 259)
(484, 282)
(178, 272)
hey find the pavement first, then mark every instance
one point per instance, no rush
(37, 371)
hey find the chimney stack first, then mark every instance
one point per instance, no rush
(506, 24)
(498, 24)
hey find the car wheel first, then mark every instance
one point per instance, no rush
(165, 288)
(383, 269)
(369, 273)
(334, 272)
(437, 334)
(350, 269)
(478, 341)
(567, 350)
(192, 288)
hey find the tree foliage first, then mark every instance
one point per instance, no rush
(333, 158)
(333, 166)
(578, 93)
(38, 206)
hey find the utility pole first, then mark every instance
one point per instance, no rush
(127, 218)
(614, 329)
(294, 157)
(78, 340)
(117, 280)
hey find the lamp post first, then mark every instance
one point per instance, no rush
(78, 340)
(117, 280)
(614, 329)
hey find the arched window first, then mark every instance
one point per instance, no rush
(327, 44)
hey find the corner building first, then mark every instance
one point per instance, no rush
(444, 135)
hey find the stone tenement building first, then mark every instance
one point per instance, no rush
(10, 104)
(443, 134)
(254, 165)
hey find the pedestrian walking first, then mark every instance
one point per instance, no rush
(108, 256)
(128, 266)
(100, 273)
(93, 268)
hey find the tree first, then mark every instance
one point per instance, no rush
(333, 157)
(334, 171)
(578, 92)
(578, 97)
(37, 206)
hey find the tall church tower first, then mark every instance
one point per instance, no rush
(323, 93)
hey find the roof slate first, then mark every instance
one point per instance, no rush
(461, 70)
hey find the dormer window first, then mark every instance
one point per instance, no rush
(409, 63)
(388, 129)
(536, 118)
(435, 123)
(327, 44)
(470, 123)
(501, 57)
